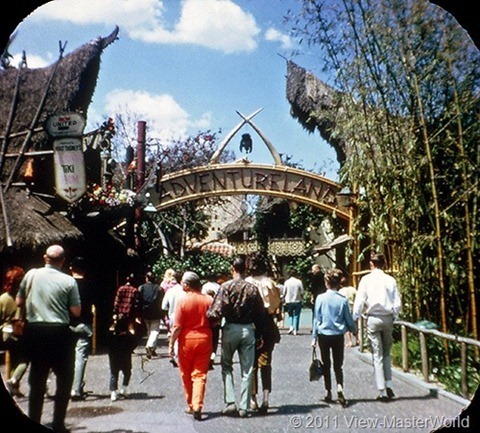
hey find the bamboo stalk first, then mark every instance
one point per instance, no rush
(438, 229)
(6, 222)
(468, 234)
(20, 133)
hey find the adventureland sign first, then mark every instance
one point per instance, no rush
(69, 163)
(247, 178)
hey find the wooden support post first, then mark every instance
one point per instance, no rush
(424, 354)
(404, 349)
(464, 369)
(8, 364)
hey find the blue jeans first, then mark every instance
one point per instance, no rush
(294, 309)
(82, 352)
(241, 338)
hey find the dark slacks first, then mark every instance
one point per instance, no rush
(50, 347)
(334, 345)
(119, 362)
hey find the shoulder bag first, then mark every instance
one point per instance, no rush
(316, 367)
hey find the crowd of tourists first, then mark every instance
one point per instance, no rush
(204, 316)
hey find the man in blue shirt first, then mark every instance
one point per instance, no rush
(332, 318)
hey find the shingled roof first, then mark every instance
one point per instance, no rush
(29, 97)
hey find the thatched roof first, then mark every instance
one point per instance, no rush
(33, 224)
(71, 89)
(244, 223)
(314, 104)
(27, 218)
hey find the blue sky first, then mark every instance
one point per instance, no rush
(186, 66)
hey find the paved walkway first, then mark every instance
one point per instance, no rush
(156, 402)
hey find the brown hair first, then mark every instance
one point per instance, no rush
(12, 279)
(334, 278)
(378, 260)
(258, 265)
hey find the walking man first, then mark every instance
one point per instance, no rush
(151, 300)
(293, 299)
(242, 307)
(51, 297)
(378, 298)
(83, 327)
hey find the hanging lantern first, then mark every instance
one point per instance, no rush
(246, 143)
(29, 172)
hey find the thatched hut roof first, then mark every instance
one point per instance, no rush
(26, 220)
(315, 105)
(244, 223)
(71, 89)
(33, 224)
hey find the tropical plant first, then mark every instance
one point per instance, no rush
(204, 263)
(168, 232)
(409, 81)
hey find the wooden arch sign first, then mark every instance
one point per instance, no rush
(246, 178)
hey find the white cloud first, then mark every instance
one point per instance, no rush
(276, 36)
(216, 24)
(33, 61)
(165, 117)
(128, 13)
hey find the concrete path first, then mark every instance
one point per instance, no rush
(156, 401)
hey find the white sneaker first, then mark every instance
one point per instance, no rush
(124, 392)
(114, 396)
(10, 385)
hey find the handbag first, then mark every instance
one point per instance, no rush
(316, 367)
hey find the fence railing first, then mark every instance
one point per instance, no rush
(422, 335)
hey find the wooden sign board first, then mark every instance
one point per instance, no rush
(65, 125)
(70, 180)
(233, 179)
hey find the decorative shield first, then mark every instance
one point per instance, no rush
(69, 165)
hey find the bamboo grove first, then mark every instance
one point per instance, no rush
(409, 114)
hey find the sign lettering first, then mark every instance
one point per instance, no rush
(229, 179)
(70, 181)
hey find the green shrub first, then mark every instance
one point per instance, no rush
(204, 263)
(450, 376)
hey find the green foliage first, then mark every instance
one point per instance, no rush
(170, 229)
(449, 375)
(408, 79)
(204, 263)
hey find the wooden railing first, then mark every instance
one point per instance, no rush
(422, 333)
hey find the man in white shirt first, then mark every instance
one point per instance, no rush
(378, 298)
(172, 295)
(292, 298)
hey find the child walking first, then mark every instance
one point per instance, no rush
(121, 345)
